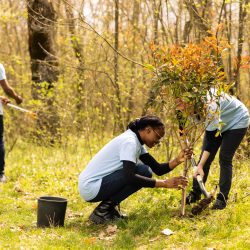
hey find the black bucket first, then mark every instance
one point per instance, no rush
(51, 211)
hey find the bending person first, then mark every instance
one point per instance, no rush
(233, 117)
(115, 172)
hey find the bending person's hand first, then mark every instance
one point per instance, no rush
(175, 182)
(198, 171)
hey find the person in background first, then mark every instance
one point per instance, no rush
(230, 117)
(123, 166)
(9, 91)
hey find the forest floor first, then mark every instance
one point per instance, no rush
(35, 171)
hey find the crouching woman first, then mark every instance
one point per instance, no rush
(123, 166)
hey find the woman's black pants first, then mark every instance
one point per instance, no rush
(228, 143)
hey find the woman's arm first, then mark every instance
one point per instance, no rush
(163, 168)
(199, 169)
(211, 141)
(133, 178)
(157, 168)
(10, 91)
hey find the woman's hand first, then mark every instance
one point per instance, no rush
(18, 99)
(198, 171)
(4, 100)
(184, 154)
(175, 182)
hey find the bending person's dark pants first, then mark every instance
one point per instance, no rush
(2, 152)
(228, 143)
(114, 187)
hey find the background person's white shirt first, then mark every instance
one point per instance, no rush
(2, 77)
(229, 110)
(125, 147)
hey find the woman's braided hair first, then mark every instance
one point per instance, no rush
(145, 121)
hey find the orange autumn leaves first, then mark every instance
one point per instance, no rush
(192, 67)
(187, 72)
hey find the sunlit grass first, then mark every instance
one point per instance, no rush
(35, 171)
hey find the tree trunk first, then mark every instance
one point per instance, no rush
(242, 16)
(135, 21)
(178, 25)
(197, 19)
(228, 22)
(186, 32)
(118, 118)
(77, 47)
(41, 29)
(156, 13)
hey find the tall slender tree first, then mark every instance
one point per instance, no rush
(242, 16)
(135, 22)
(78, 51)
(118, 118)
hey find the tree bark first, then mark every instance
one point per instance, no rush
(197, 18)
(242, 16)
(186, 32)
(118, 117)
(228, 22)
(41, 35)
(135, 21)
(78, 51)
(156, 13)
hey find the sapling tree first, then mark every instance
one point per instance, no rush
(188, 80)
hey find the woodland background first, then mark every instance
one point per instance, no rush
(86, 68)
(80, 64)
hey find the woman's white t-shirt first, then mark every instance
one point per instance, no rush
(229, 110)
(125, 147)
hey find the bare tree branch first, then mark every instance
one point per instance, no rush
(82, 19)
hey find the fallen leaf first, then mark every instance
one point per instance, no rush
(90, 240)
(154, 239)
(18, 189)
(109, 233)
(111, 229)
(16, 229)
(109, 238)
(167, 232)
(101, 235)
(2, 225)
(34, 206)
(73, 215)
(22, 227)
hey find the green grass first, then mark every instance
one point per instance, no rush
(34, 171)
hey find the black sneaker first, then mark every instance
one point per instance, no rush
(105, 212)
(192, 197)
(219, 205)
(99, 219)
(3, 178)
